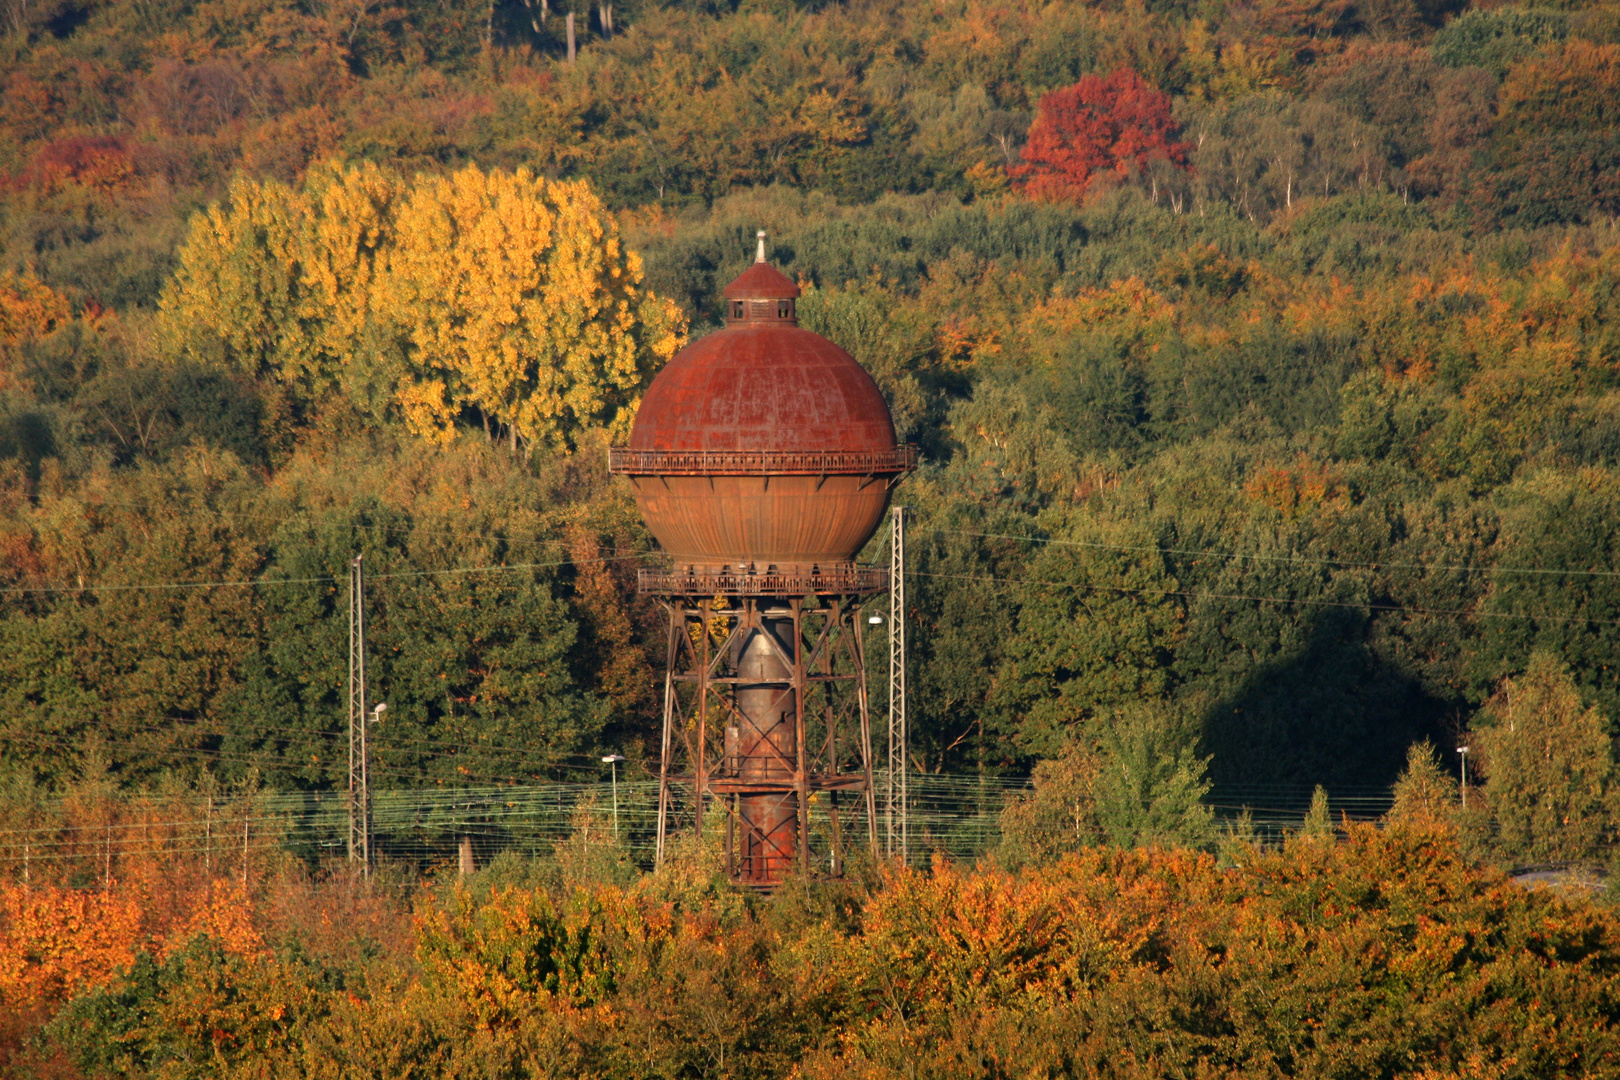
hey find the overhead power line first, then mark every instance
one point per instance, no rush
(257, 728)
(1098, 545)
(1368, 605)
(1291, 558)
(421, 773)
(158, 586)
(410, 528)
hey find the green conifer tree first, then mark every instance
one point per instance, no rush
(1424, 794)
(1318, 819)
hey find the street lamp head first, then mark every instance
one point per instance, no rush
(613, 759)
(377, 711)
(1462, 749)
(874, 619)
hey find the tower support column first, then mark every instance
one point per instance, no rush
(766, 717)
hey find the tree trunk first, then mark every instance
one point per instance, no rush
(570, 37)
(465, 857)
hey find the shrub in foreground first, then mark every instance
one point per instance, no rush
(1381, 953)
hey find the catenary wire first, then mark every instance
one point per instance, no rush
(1354, 605)
(1348, 563)
(254, 583)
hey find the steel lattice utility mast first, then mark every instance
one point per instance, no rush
(896, 815)
(359, 765)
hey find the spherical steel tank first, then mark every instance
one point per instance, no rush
(762, 446)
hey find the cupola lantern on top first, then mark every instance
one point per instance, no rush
(761, 295)
(762, 447)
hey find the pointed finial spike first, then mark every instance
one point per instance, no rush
(760, 257)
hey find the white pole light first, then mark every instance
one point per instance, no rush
(613, 760)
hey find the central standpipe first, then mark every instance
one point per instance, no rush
(767, 754)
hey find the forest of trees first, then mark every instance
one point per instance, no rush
(1264, 360)
(1261, 366)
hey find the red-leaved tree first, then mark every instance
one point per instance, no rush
(1097, 126)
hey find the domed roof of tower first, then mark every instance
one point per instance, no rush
(752, 387)
(763, 383)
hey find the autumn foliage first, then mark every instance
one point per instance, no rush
(1382, 953)
(502, 295)
(1263, 358)
(1556, 142)
(1101, 126)
(56, 942)
(28, 308)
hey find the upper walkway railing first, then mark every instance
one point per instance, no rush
(633, 462)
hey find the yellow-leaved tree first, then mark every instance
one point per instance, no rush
(498, 297)
(522, 305)
(346, 235)
(234, 299)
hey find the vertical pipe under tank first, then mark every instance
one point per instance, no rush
(767, 750)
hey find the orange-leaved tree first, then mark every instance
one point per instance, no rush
(1555, 140)
(55, 942)
(1097, 127)
(28, 307)
(513, 952)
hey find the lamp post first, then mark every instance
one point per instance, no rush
(365, 781)
(613, 760)
(1463, 750)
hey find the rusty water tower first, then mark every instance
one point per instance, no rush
(763, 458)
